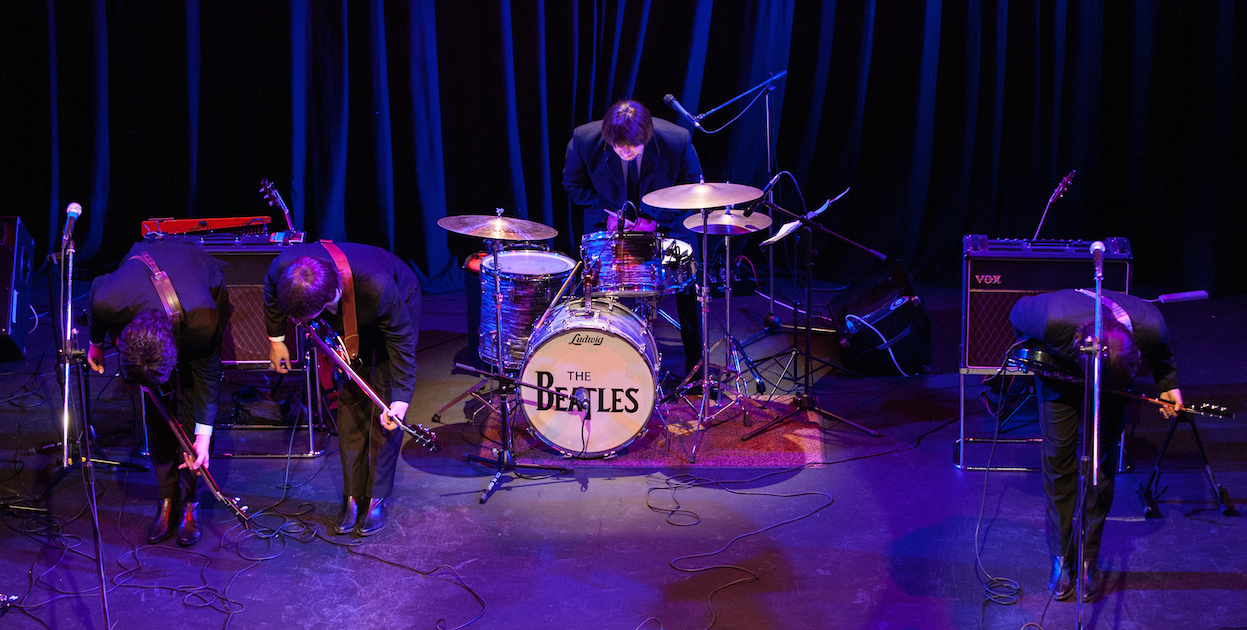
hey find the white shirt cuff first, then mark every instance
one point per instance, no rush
(203, 429)
(278, 339)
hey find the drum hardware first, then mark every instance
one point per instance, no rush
(805, 402)
(703, 197)
(501, 229)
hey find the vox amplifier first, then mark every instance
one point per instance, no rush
(999, 272)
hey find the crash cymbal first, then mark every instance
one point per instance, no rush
(501, 228)
(728, 222)
(704, 195)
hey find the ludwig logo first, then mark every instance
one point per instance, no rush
(593, 340)
(985, 279)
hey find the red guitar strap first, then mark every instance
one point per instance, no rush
(350, 337)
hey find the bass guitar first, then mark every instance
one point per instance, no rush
(188, 447)
(1044, 363)
(330, 345)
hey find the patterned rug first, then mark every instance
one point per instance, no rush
(670, 437)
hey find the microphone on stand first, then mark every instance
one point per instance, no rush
(762, 200)
(674, 104)
(1097, 256)
(73, 211)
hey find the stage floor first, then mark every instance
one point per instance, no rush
(826, 526)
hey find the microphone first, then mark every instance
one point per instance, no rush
(674, 104)
(1097, 256)
(761, 200)
(73, 211)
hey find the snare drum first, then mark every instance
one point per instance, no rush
(605, 356)
(623, 264)
(679, 265)
(529, 281)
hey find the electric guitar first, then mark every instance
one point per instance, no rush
(189, 448)
(330, 345)
(1056, 194)
(274, 198)
(1044, 363)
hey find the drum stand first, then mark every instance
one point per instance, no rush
(504, 458)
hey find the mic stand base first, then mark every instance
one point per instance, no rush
(807, 404)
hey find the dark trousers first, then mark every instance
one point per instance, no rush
(689, 315)
(192, 392)
(369, 453)
(1060, 419)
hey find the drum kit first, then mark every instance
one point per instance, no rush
(584, 366)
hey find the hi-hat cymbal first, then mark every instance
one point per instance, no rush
(727, 222)
(705, 195)
(500, 228)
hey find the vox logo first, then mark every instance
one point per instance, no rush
(986, 279)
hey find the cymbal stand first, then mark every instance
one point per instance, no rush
(806, 402)
(504, 458)
(73, 370)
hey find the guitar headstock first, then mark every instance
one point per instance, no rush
(270, 193)
(1061, 187)
(1209, 409)
(421, 436)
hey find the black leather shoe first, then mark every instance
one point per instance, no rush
(374, 520)
(1061, 581)
(350, 514)
(188, 529)
(1092, 582)
(160, 529)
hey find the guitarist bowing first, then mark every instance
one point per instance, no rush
(372, 300)
(1133, 330)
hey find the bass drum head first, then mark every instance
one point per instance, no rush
(604, 356)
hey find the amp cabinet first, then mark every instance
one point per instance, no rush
(999, 272)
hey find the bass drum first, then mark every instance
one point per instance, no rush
(606, 358)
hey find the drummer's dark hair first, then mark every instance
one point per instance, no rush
(627, 123)
(1123, 355)
(306, 286)
(147, 349)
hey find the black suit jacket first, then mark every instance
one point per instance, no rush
(1054, 318)
(384, 285)
(593, 173)
(200, 286)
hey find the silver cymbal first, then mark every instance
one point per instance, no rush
(728, 222)
(705, 195)
(500, 228)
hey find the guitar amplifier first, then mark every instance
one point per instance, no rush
(246, 342)
(999, 272)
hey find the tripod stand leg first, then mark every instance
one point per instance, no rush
(859, 427)
(1149, 492)
(437, 415)
(1220, 494)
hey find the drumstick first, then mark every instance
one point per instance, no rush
(557, 295)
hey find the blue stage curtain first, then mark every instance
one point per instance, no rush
(377, 118)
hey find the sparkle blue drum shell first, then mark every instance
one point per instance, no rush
(605, 356)
(623, 264)
(529, 281)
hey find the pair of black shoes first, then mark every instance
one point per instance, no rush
(187, 530)
(1063, 581)
(365, 523)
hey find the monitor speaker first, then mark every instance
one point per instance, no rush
(17, 250)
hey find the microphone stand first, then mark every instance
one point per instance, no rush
(1089, 463)
(806, 402)
(771, 322)
(72, 369)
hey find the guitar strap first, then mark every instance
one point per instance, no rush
(164, 289)
(350, 337)
(1118, 312)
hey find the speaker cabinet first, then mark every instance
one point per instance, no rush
(246, 342)
(999, 272)
(16, 255)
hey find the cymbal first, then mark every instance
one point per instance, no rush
(705, 195)
(728, 222)
(500, 228)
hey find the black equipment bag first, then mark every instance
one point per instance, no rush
(883, 326)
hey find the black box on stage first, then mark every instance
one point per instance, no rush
(999, 272)
(16, 255)
(884, 328)
(246, 342)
